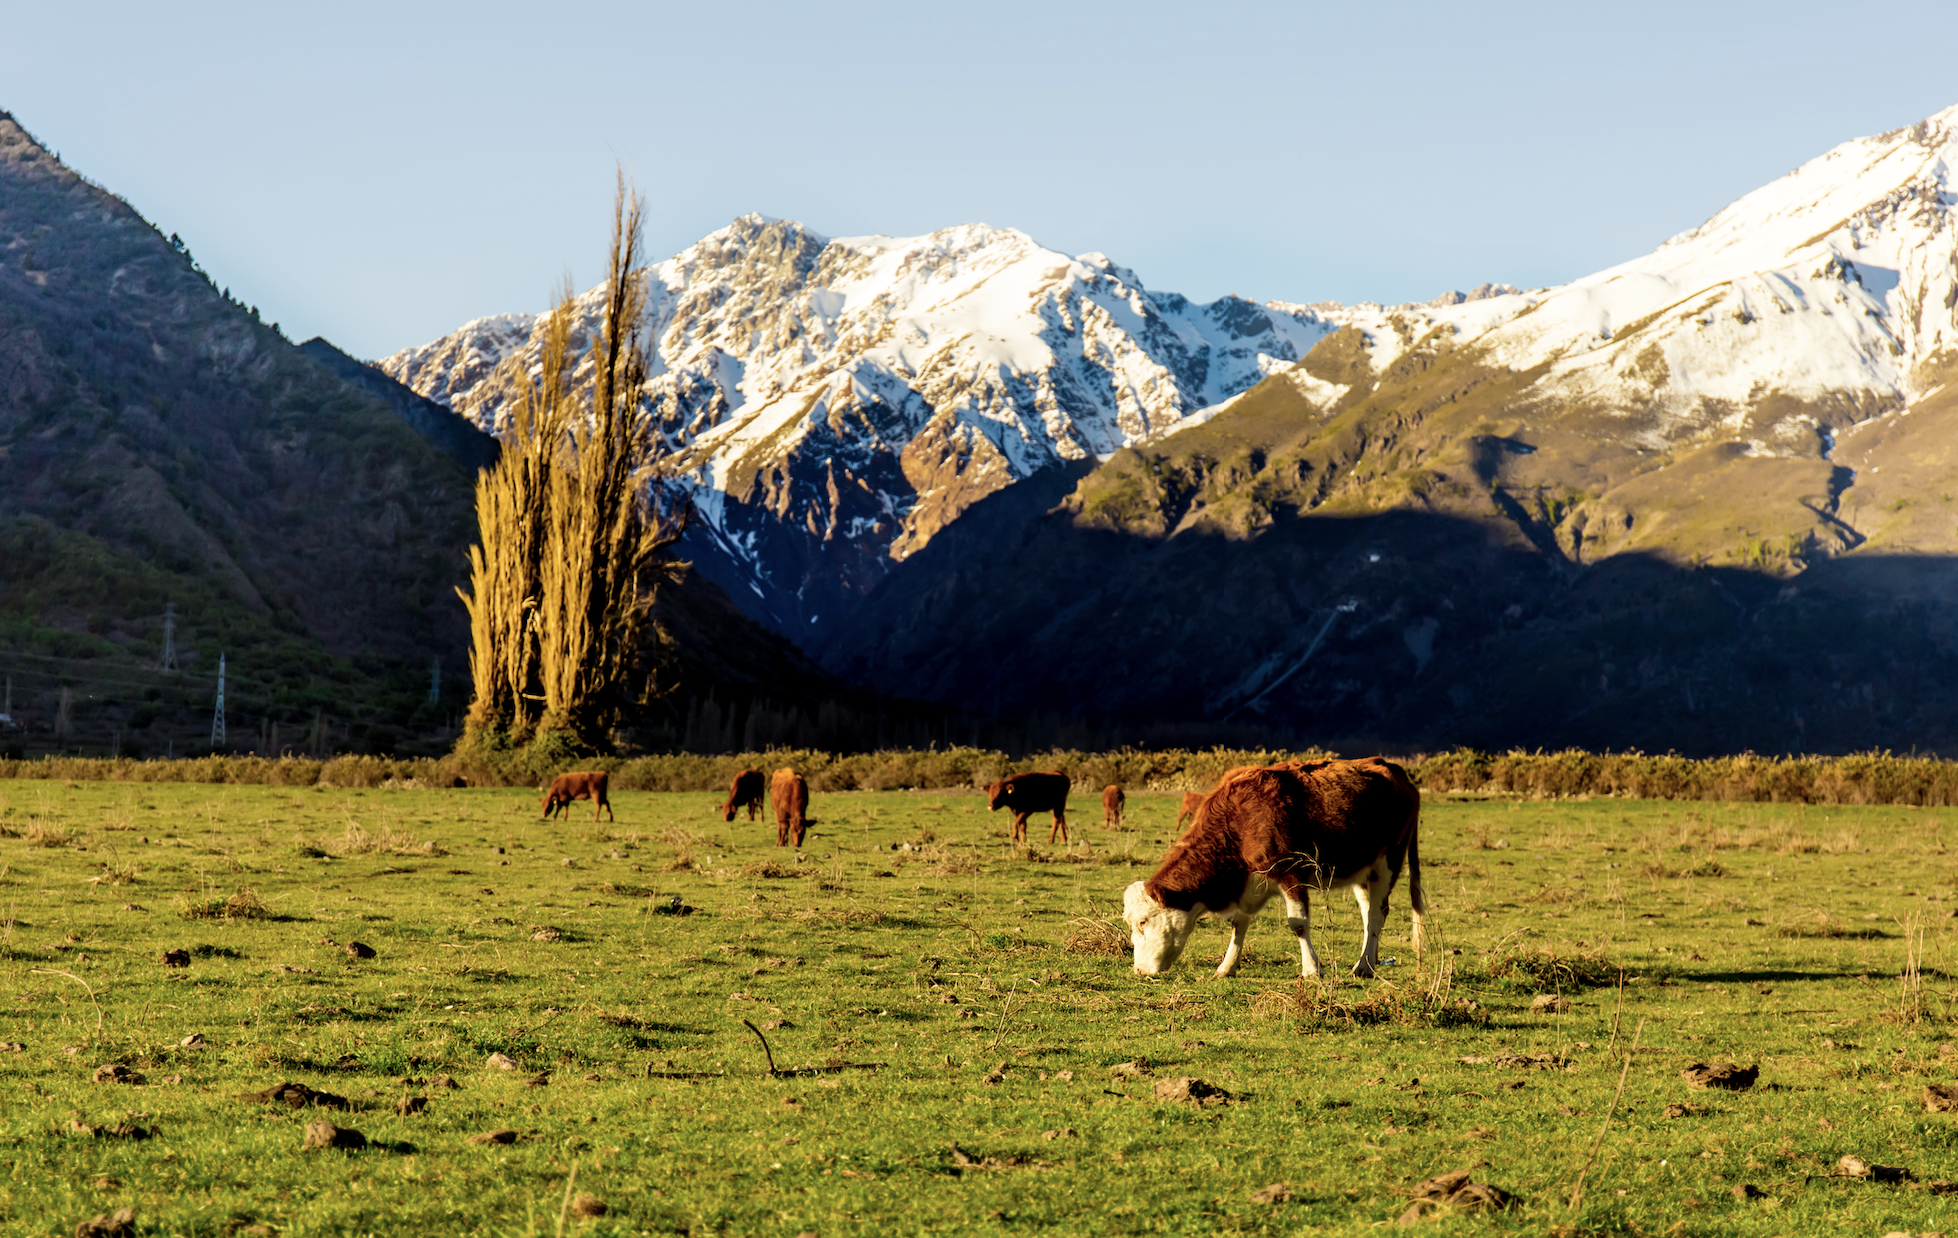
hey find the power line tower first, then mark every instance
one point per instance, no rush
(217, 719)
(168, 661)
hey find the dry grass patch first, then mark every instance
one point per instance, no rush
(1096, 936)
(244, 905)
(386, 840)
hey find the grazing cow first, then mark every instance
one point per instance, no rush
(568, 787)
(1192, 800)
(1112, 800)
(747, 791)
(791, 796)
(1284, 829)
(1025, 793)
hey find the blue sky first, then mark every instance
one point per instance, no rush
(380, 173)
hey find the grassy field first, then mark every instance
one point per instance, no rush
(953, 1019)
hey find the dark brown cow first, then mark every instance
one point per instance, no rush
(791, 796)
(1044, 791)
(586, 786)
(1284, 829)
(1112, 800)
(749, 786)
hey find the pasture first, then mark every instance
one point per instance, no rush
(957, 1048)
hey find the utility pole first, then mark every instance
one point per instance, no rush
(217, 719)
(168, 662)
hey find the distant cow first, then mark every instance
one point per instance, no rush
(791, 796)
(1192, 800)
(1025, 793)
(1284, 829)
(1112, 800)
(568, 787)
(748, 788)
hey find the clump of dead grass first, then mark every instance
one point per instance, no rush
(42, 833)
(244, 905)
(384, 840)
(1095, 935)
(1314, 1004)
(1511, 964)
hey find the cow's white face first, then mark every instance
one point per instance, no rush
(1158, 933)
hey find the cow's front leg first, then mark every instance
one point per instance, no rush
(1298, 918)
(1372, 898)
(1235, 950)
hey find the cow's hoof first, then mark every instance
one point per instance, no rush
(1364, 971)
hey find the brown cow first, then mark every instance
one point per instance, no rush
(1045, 791)
(748, 788)
(791, 796)
(1192, 800)
(1284, 829)
(1112, 800)
(586, 786)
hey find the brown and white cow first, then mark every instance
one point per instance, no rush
(1112, 800)
(1042, 791)
(791, 796)
(1285, 830)
(584, 786)
(749, 786)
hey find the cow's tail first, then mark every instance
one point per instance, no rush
(1415, 898)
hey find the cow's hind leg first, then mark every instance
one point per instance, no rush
(1059, 826)
(1371, 894)
(1298, 918)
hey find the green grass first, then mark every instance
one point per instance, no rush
(941, 1024)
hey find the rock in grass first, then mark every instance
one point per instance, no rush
(446, 1083)
(501, 1061)
(193, 1041)
(359, 950)
(117, 1073)
(1276, 1193)
(1940, 1098)
(174, 958)
(1135, 1069)
(408, 1106)
(1192, 1089)
(117, 1224)
(1723, 1075)
(327, 1135)
(490, 1137)
(585, 1207)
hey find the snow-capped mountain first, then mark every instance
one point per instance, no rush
(835, 403)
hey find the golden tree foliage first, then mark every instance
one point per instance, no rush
(573, 545)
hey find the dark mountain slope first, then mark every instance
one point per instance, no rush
(144, 411)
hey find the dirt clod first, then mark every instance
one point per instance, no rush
(585, 1207)
(117, 1073)
(1724, 1075)
(174, 958)
(445, 1083)
(1135, 1069)
(408, 1106)
(115, 1224)
(501, 1061)
(1194, 1090)
(1454, 1192)
(490, 1137)
(327, 1135)
(1065, 1132)
(193, 1041)
(1747, 1190)
(1940, 1097)
(1853, 1166)
(12, 1046)
(547, 933)
(1549, 1003)
(359, 950)
(1686, 1111)
(541, 1079)
(297, 1096)
(1276, 1193)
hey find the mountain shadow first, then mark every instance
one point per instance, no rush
(1410, 630)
